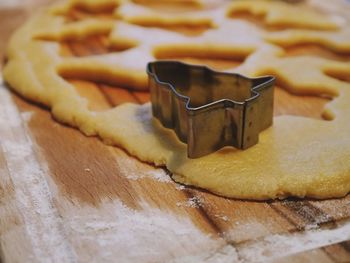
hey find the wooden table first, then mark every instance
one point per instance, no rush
(65, 197)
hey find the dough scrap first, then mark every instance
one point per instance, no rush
(87, 5)
(297, 156)
(278, 13)
(145, 16)
(76, 31)
(338, 41)
(128, 68)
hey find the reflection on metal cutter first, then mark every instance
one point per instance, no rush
(208, 109)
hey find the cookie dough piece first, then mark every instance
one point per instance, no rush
(128, 67)
(299, 74)
(282, 14)
(141, 15)
(92, 6)
(337, 41)
(194, 3)
(75, 31)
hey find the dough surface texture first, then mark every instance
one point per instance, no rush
(297, 156)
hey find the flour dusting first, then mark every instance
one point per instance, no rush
(32, 196)
(223, 217)
(225, 254)
(276, 246)
(27, 116)
(180, 187)
(160, 175)
(147, 235)
(193, 202)
(130, 170)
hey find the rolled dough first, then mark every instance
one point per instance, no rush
(297, 156)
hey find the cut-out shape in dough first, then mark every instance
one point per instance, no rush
(337, 41)
(282, 14)
(77, 30)
(140, 15)
(92, 6)
(128, 68)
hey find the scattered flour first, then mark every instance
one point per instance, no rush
(248, 229)
(128, 170)
(26, 116)
(180, 187)
(276, 246)
(312, 226)
(226, 254)
(223, 217)
(194, 202)
(160, 175)
(116, 233)
(33, 198)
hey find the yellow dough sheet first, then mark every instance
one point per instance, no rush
(297, 156)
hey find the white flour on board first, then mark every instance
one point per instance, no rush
(26, 116)
(128, 170)
(160, 175)
(180, 187)
(122, 234)
(223, 217)
(275, 246)
(32, 195)
(194, 202)
(156, 174)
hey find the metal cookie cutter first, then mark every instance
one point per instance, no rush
(208, 109)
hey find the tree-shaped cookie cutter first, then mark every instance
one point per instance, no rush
(208, 109)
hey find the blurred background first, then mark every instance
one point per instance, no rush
(12, 14)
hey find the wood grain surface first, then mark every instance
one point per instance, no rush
(65, 197)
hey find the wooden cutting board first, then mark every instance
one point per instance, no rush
(65, 197)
